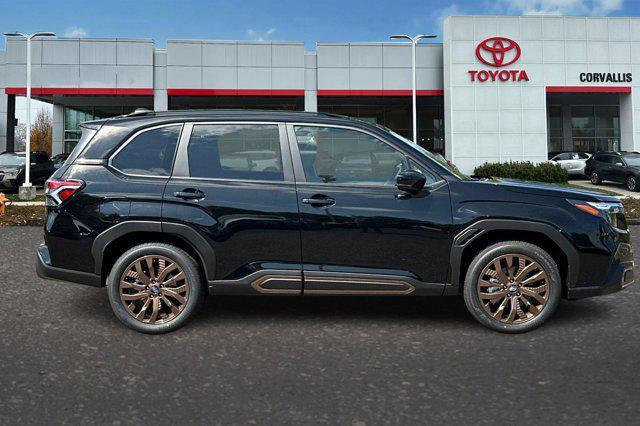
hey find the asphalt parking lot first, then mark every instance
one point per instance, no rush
(65, 358)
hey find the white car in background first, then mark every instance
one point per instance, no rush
(573, 162)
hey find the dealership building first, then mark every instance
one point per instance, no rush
(497, 88)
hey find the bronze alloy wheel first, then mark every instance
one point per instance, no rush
(154, 289)
(513, 288)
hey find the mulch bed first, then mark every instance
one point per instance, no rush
(23, 216)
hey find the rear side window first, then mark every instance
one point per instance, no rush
(235, 151)
(150, 153)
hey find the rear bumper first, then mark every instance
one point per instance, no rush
(46, 271)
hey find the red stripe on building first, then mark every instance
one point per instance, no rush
(349, 92)
(588, 89)
(235, 92)
(65, 91)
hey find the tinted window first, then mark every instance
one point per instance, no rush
(632, 159)
(334, 155)
(561, 157)
(233, 151)
(150, 153)
(583, 155)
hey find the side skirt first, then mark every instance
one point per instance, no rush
(283, 282)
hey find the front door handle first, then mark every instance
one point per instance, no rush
(317, 201)
(189, 194)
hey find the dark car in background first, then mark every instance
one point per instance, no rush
(12, 169)
(619, 166)
(166, 208)
(59, 159)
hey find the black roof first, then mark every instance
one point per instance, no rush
(618, 152)
(144, 117)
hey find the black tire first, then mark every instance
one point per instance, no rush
(632, 183)
(485, 258)
(595, 178)
(195, 292)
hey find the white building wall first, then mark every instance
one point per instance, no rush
(235, 65)
(502, 121)
(57, 137)
(160, 98)
(310, 82)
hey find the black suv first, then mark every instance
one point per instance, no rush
(166, 208)
(621, 166)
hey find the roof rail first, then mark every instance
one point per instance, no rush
(139, 111)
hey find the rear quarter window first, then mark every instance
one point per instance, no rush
(149, 153)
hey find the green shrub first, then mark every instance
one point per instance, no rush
(523, 170)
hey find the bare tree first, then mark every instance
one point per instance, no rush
(42, 132)
(20, 132)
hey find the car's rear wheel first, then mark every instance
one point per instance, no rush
(632, 183)
(595, 178)
(512, 287)
(155, 288)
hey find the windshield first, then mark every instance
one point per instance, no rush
(632, 160)
(437, 158)
(11, 159)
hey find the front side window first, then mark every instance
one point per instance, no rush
(150, 153)
(344, 156)
(235, 151)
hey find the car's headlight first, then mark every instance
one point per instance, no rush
(611, 212)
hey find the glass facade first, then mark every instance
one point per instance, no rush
(394, 113)
(583, 122)
(555, 132)
(595, 128)
(73, 117)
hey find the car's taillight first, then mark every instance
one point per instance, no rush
(58, 190)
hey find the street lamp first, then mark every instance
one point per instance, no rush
(414, 41)
(27, 191)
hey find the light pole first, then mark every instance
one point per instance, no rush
(414, 41)
(27, 191)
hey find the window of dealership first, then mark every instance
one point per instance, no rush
(587, 122)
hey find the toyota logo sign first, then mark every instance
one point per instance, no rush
(498, 52)
(494, 51)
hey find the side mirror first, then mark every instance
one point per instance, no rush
(33, 164)
(410, 181)
(619, 164)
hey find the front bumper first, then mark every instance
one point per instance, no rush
(46, 271)
(621, 275)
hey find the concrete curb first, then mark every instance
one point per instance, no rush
(26, 203)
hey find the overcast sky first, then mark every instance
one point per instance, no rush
(286, 20)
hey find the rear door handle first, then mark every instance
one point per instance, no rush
(319, 202)
(189, 194)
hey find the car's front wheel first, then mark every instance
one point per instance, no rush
(595, 178)
(632, 183)
(512, 287)
(155, 288)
